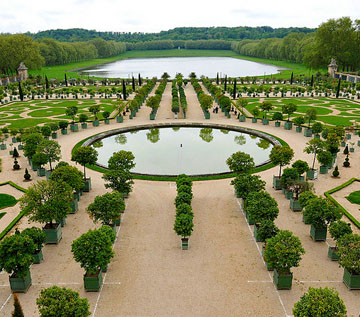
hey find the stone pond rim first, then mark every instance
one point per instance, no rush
(108, 133)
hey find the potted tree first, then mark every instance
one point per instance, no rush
(276, 117)
(240, 162)
(38, 237)
(54, 126)
(266, 229)
(31, 142)
(46, 131)
(52, 152)
(281, 155)
(320, 302)
(106, 115)
(183, 227)
(38, 160)
(63, 127)
(289, 109)
(304, 199)
(56, 301)
(16, 256)
(83, 117)
(301, 167)
(265, 107)
(325, 159)
(119, 180)
(349, 259)
(71, 111)
(317, 128)
(286, 180)
(337, 230)
(255, 113)
(314, 146)
(85, 155)
(283, 252)
(242, 102)
(107, 208)
(297, 187)
(46, 202)
(206, 102)
(120, 106)
(260, 206)
(95, 109)
(299, 121)
(122, 160)
(246, 183)
(320, 212)
(310, 116)
(74, 178)
(93, 251)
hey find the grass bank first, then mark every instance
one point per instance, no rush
(58, 71)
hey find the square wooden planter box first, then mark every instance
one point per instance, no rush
(352, 281)
(308, 132)
(74, 206)
(318, 234)
(265, 121)
(295, 205)
(254, 120)
(276, 182)
(87, 184)
(84, 126)
(38, 257)
(324, 169)
(242, 118)
(277, 124)
(120, 119)
(288, 125)
(19, 284)
(93, 283)
(64, 131)
(184, 243)
(283, 281)
(333, 256)
(298, 129)
(53, 235)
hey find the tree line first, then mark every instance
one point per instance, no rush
(169, 44)
(180, 33)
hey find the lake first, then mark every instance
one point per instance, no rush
(155, 67)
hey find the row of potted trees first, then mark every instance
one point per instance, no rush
(183, 225)
(205, 100)
(154, 101)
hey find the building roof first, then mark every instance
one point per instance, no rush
(22, 66)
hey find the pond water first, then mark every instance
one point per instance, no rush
(207, 66)
(172, 151)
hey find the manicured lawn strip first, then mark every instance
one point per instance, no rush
(354, 197)
(337, 120)
(7, 201)
(2, 214)
(172, 179)
(346, 213)
(18, 217)
(24, 122)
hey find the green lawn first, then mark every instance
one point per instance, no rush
(354, 197)
(7, 201)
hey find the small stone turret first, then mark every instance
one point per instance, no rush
(332, 68)
(23, 71)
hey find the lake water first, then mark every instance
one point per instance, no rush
(193, 151)
(207, 66)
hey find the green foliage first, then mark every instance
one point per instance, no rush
(283, 251)
(122, 159)
(109, 232)
(311, 115)
(321, 212)
(16, 254)
(46, 130)
(83, 117)
(71, 111)
(183, 197)
(325, 158)
(62, 302)
(332, 143)
(70, 175)
(31, 141)
(265, 107)
(277, 116)
(240, 162)
(39, 159)
(289, 109)
(184, 208)
(354, 197)
(183, 179)
(185, 189)
(47, 201)
(84, 155)
(338, 229)
(7, 201)
(317, 128)
(300, 166)
(281, 155)
(95, 109)
(119, 180)
(51, 150)
(299, 121)
(106, 114)
(349, 252)
(320, 302)
(305, 197)
(260, 205)
(206, 101)
(63, 125)
(184, 225)
(92, 250)
(107, 208)
(18, 312)
(335, 172)
(267, 229)
(36, 235)
(314, 146)
(247, 183)
(288, 177)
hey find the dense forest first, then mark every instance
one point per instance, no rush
(181, 33)
(339, 39)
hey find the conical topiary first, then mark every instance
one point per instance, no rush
(346, 150)
(27, 175)
(346, 163)
(16, 153)
(18, 312)
(336, 173)
(16, 165)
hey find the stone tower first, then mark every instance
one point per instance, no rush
(332, 68)
(22, 71)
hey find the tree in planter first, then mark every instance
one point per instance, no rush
(298, 121)
(46, 131)
(240, 162)
(54, 126)
(310, 115)
(107, 208)
(283, 252)
(266, 230)
(337, 230)
(47, 202)
(242, 102)
(265, 107)
(106, 115)
(38, 237)
(320, 212)
(62, 302)
(185, 189)
(83, 117)
(71, 111)
(260, 206)
(183, 179)
(277, 116)
(332, 143)
(325, 158)
(153, 102)
(206, 101)
(305, 197)
(63, 125)
(320, 302)
(51, 149)
(288, 177)
(184, 225)
(31, 142)
(317, 128)
(349, 258)
(39, 159)
(95, 109)
(255, 112)
(85, 155)
(281, 155)
(122, 160)
(289, 109)
(184, 208)
(314, 146)
(247, 183)
(300, 166)
(183, 197)
(16, 256)
(70, 175)
(93, 251)
(120, 180)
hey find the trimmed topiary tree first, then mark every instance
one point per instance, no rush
(62, 302)
(320, 302)
(122, 160)
(38, 237)
(240, 162)
(260, 206)
(281, 155)
(119, 180)
(247, 183)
